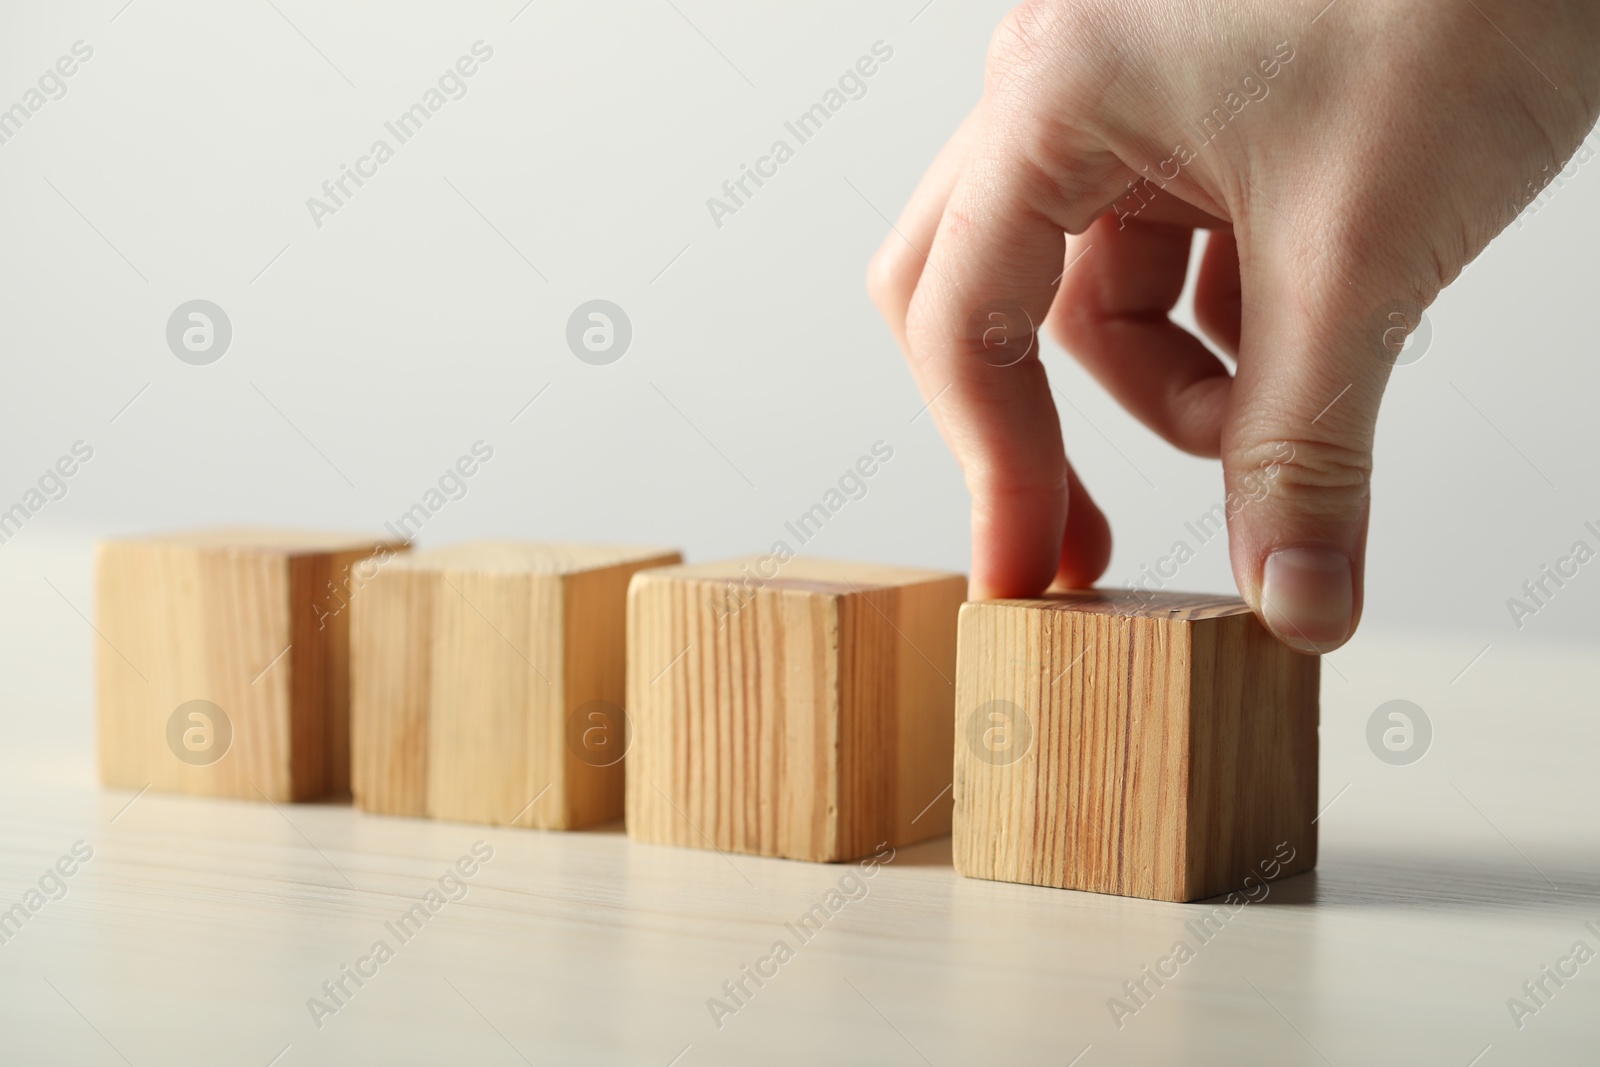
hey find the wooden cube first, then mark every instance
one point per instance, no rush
(1145, 744)
(806, 714)
(488, 683)
(222, 665)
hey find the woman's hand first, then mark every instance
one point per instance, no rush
(1349, 160)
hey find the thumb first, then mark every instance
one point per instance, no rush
(1315, 353)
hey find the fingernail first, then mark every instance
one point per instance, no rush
(1307, 597)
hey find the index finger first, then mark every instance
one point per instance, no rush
(972, 341)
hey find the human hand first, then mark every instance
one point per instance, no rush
(1349, 161)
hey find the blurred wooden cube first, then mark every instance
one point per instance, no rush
(222, 660)
(809, 714)
(1153, 745)
(488, 683)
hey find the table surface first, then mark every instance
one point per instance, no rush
(198, 931)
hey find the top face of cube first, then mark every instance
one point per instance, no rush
(1133, 603)
(524, 557)
(825, 577)
(267, 541)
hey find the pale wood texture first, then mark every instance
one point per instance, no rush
(808, 715)
(488, 683)
(251, 620)
(391, 652)
(1169, 747)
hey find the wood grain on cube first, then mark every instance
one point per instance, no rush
(391, 650)
(806, 715)
(474, 667)
(1169, 747)
(250, 620)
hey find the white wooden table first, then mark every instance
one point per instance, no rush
(199, 929)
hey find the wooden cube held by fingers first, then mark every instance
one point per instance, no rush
(488, 683)
(222, 664)
(802, 709)
(1155, 745)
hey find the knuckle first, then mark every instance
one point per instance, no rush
(1040, 36)
(1315, 477)
(892, 275)
(1021, 43)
